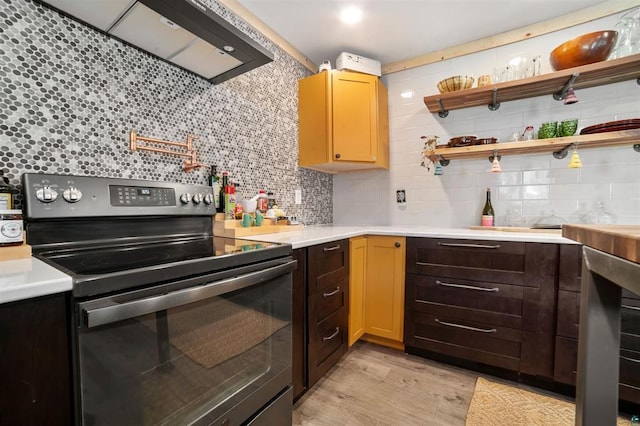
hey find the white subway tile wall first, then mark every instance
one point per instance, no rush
(530, 186)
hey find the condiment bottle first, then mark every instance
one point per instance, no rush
(229, 202)
(262, 201)
(488, 216)
(6, 197)
(214, 182)
(225, 183)
(271, 201)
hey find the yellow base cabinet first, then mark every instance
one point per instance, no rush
(376, 285)
(343, 122)
(357, 279)
(384, 292)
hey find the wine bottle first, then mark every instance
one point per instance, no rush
(225, 183)
(214, 182)
(488, 217)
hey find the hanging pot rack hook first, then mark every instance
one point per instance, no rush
(568, 85)
(443, 113)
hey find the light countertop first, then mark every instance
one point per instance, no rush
(319, 234)
(26, 278)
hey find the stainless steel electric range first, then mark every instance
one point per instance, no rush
(170, 325)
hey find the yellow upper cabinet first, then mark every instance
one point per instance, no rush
(343, 122)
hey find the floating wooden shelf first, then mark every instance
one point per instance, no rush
(597, 140)
(607, 72)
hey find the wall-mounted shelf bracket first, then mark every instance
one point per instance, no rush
(442, 112)
(636, 147)
(638, 81)
(443, 162)
(568, 85)
(494, 105)
(563, 152)
(191, 154)
(491, 157)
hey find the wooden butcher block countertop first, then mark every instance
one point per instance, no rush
(618, 240)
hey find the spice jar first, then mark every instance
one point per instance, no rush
(10, 227)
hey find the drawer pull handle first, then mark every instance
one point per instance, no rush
(485, 246)
(633, 308)
(466, 327)
(336, 291)
(326, 249)
(637, 361)
(335, 333)
(467, 287)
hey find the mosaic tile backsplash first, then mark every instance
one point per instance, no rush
(70, 95)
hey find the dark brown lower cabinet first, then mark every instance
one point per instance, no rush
(320, 311)
(35, 373)
(568, 324)
(487, 302)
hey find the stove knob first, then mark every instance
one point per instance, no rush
(197, 198)
(208, 199)
(72, 195)
(185, 198)
(46, 194)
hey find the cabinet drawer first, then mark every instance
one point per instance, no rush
(570, 267)
(493, 303)
(527, 264)
(474, 341)
(326, 302)
(327, 264)
(327, 344)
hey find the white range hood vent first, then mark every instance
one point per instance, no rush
(184, 32)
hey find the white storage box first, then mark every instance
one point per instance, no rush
(352, 62)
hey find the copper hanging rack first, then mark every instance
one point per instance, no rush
(191, 154)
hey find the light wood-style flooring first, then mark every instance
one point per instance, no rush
(374, 385)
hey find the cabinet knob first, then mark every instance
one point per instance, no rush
(337, 155)
(397, 244)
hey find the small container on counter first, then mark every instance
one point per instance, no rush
(11, 228)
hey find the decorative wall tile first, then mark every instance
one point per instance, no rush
(71, 94)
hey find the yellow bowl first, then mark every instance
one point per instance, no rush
(457, 82)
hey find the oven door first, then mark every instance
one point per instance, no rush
(205, 350)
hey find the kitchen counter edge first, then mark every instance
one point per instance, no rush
(28, 278)
(320, 234)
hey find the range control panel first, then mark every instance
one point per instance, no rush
(63, 196)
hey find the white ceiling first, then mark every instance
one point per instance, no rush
(394, 30)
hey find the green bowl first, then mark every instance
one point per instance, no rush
(568, 127)
(548, 130)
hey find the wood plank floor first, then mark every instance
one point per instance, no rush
(374, 385)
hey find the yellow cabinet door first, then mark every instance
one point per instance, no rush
(355, 117)
(343, 122)
(357, 280)
(384, 292)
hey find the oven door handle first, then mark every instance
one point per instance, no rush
(131, 309)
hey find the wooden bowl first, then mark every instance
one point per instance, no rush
(583, 50)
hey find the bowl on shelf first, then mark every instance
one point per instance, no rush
(461, 141)
(485, 141)
(585, 49)
(548, 130)
(457, 82)
(568, 127)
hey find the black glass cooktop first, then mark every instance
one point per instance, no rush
(117, 258)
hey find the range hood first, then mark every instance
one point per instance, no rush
(184, 32)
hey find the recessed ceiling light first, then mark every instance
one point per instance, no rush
(351, 15)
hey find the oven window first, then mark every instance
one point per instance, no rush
(186, 363)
